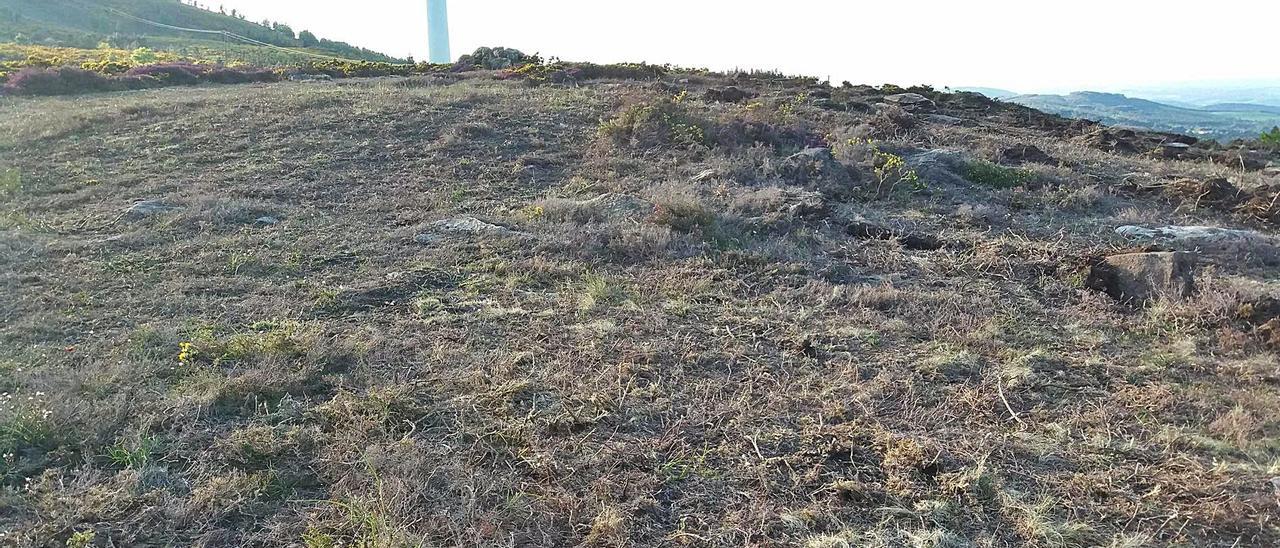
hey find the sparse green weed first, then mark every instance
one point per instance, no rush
(262, 340)
(314, 537)
(81, 539)
(949, 363)
(326, 297)
(10, 181)
(600, 291)
(426, 305)
(1023, 369)
(134, 456)
(238, 260)
(685, 216)
(680, 468)
(936, 538)
(26, 424)
(1040, 525)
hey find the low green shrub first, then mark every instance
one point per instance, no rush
(664, 122)
(558, 72)
(893, 170)
(497, 59)
(1271, 139)
(622, 71)
(352, 69)
(996, 176)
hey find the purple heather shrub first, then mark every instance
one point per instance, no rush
(225, 75)
(174, 74)
(191, 73)
(55, 81)
(74, 80)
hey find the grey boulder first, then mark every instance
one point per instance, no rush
(910, 101)
(1137, 278)
(1209, 240)
(464, 225)
(147, 208)
(941, 167)
(815, 168)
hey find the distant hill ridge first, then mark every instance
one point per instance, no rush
(1223, 122)
(1242, 107)
(994, 93)
(76, 23)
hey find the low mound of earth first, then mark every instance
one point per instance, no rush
(698, 311)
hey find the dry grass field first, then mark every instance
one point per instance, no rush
(473, 312)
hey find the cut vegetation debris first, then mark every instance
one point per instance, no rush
(630, 308)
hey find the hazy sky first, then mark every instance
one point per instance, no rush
(1023, 45)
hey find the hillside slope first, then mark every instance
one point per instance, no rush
(82, 24)
(1266, 92)
(463, 311)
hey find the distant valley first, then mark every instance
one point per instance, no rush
(1224, 121)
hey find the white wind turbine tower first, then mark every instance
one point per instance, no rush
(438, 31)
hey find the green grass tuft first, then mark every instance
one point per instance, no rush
(996, 176)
